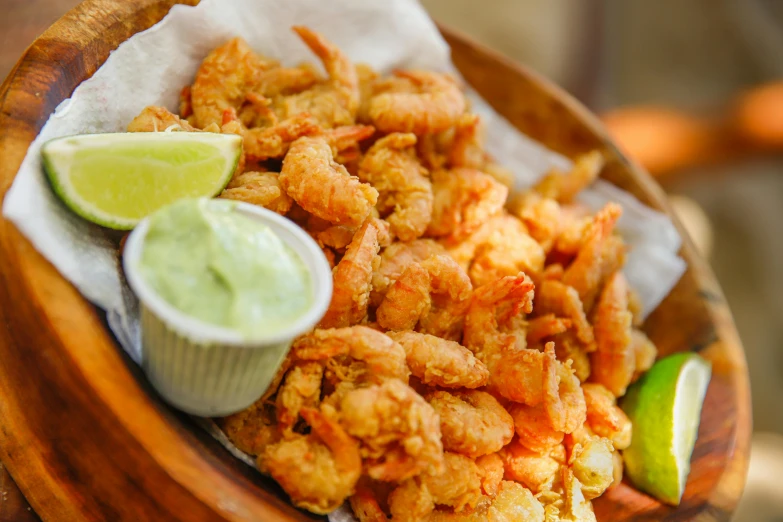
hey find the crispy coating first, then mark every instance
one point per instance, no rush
(399, 432)
(322, 187)
(405, 193)
(440, 362)
(353, 277)
(435, 106)
(472, 422)
(464, 199)
(319, 470)
(259, 188)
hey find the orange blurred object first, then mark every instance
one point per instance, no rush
(759, 115)
(664, 140)
(661, 139)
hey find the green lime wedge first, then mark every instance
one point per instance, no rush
(665, 408)
(116, 180)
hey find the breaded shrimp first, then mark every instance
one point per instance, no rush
(223, 79)
(353, 276)
(405, 193)
(605, 418)
(334, 102)
(457, 485)
(440, 362)
(395, 259)
(559, 299)
(322, 187)
(491, 310)
(506, 251)
(252, 429)
(300, 389)
(539, 328)
(275, 141)
(158, 119)
(467, 147)
(614, 361)
(434, 108)
(399, 432)
(534, 429)
(535, 471)
(564, 187)
(564, 400)
(381, 356)
(472, 422)
(491, 469)
(586, 272)
(432, 296)
(319, 470)
(464, 199)
(258, 188)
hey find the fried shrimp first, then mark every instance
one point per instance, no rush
(259, 188)
(252, 429)
(333, 102)
(605, 418)
(467, 147)
(434, 108)
(395, 259)
(398, 430)
(491, 470)
(614, 361)
(319, 470)
(492, 309)
(515, 503)
(561, 300)
(564, 187)
(322, 187)
(539, 328)
(586, 272)
(541, 216)
(275, 141)
(457, 485)
(464, 199)
(224, 78)
(535, 471)
(382, 358)
(405, 193)
(431, 296)
(534, 428)
(353, 277)
(506, 251)
(644, 350)
(440, 362)
(564, 400)
(472, 423)
(158, 119)
(300, 389)
(576, 507)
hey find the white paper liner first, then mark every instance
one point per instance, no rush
(152, 67)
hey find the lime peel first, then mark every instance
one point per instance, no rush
(117, 179)
(665, 408)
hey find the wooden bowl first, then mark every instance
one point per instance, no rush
(86, 438)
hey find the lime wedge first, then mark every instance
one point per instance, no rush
(116, 180)
(665, 408)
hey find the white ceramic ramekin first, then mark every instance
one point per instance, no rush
(213, 371)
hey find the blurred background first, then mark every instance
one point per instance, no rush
(688, 88)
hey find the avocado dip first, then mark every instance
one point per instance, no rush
(215, 264)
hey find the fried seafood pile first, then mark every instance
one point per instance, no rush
(469, 363)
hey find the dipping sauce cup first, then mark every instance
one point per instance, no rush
(210, 370)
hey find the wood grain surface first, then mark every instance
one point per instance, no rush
(86, 438)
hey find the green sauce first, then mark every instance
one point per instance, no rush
(224, 268)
